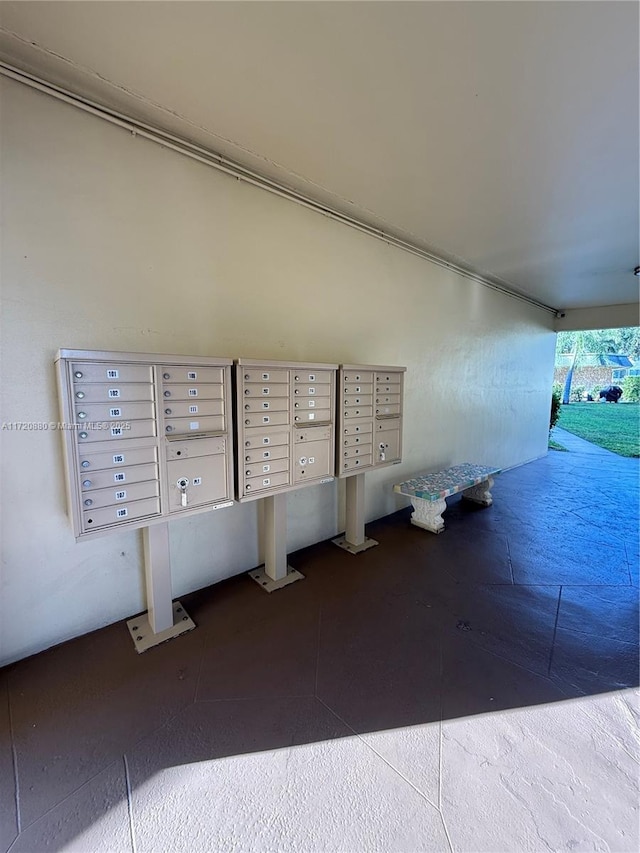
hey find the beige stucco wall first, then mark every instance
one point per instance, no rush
(110, 242)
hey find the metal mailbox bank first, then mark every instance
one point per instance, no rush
(149, 438)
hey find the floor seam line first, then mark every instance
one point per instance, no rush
(315, 685)
(391, 767)
(72, 793)
(555, 631)
(127, 779)
(14, 761)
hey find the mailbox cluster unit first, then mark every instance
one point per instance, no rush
(150, 437)
(370, 426)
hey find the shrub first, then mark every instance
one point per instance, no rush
(595, 392)
(556, 402)
(577, 393)
(631, 389)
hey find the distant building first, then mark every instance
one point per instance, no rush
(594, 371)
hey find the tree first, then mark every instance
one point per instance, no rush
(599, 342)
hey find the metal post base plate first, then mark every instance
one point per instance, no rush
(342, 542)
(142, 632)
(268, 584)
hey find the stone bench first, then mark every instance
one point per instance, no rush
(428, 491)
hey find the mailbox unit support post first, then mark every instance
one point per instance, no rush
(164, 619)
(275, 573)
(354, 540)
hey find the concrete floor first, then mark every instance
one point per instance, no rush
(471, 691)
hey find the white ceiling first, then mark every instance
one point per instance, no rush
(502, 135)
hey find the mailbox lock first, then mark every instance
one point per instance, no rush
(167, 393)
(248, 488)
(167, 411)
(79, 394)
(166, 376)
(88, 502)
(247, 473)
(247, 459)
(297, 405)
(169, 428)
(86, 483)
(247, 444)
(247, 407)
(246, 390)
(297, 378)
(85, 463)
(296, 391)
(82, 415)
(247, 422)
(84, 435)
(78, 374)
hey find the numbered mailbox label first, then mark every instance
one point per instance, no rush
(265, 377)
(193, 392)
(265, 391)
(265, 405)
(312, 391)
(312, 459)
(197, 481)
(191, 374)
(194, 424)
(118, 459)
(113, 393)
(266, 481)
(312, 377)
(312, 404)
(116, 431)
(266, 419)
(266, 469)
(119, 477)
(193, 410)
(266, 441)
(121, 495)
(266, 454)
(115, 413)
(123, 512)
(113, 374)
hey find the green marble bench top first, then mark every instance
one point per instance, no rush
(441, 484)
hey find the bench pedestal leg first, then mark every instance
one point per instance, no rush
(480, 494)
(428, 514)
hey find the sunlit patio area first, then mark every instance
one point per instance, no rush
(471, 691)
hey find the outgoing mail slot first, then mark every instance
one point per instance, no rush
(265, 467)
(111, 515)
(357, 429)
(265, 390)
(358, 400)
(266, 454)
(194, 392)
(193, 424)
(117, 477)
(90, 462)
(263, 375)
(192, 408)
(302, 416)
(171, 374)
(258, 419)
(265, 404)
(184, 448)
(99, 431)
(265, 483)
(105, 372)
(255, 439)
(358, 411)
(207, 476)
(116, 410)
(121, 494)
(113, 393)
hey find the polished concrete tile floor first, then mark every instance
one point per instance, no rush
(472, 691)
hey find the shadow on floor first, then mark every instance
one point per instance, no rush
(530, 602)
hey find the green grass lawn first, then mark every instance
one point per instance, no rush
(615, 426)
